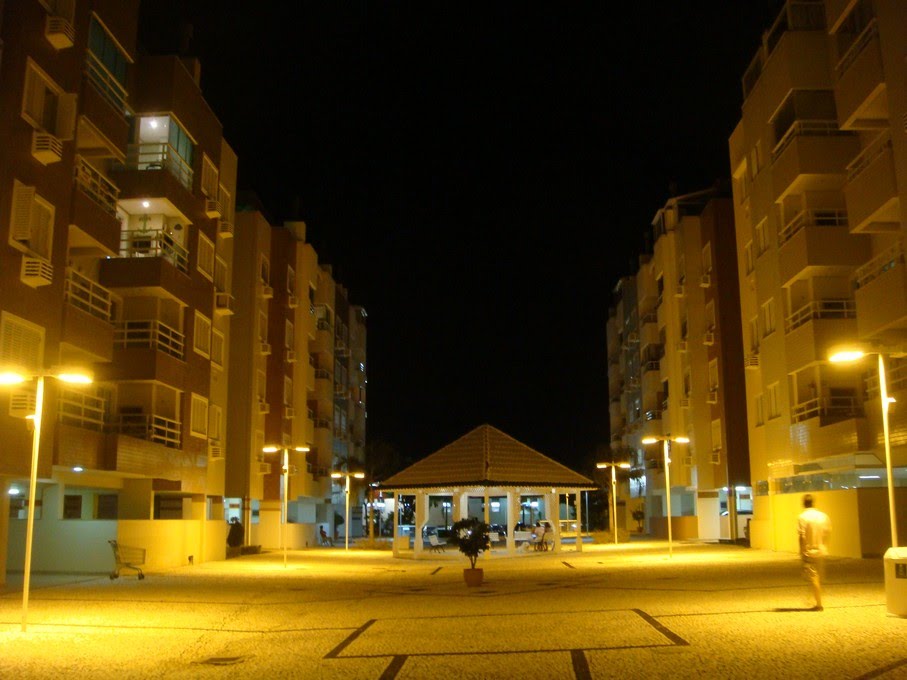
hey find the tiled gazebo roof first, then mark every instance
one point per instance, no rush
(486, 457)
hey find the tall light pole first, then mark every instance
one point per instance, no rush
(285, 508)
(666, 450)
(848, 355)
(613, 513)
(15, 378)
(346, 519)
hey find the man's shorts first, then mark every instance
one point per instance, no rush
(814, 569)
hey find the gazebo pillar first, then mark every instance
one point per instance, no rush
(421, 518)
(396, 552)
(486, 506)
(457, 506)
(512, 503)
(579, 521)
(551, 501)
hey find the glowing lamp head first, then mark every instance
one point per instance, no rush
(303, 448)
(11, 378)
(623, 466)
(682, 440)
(649, 440)
(336, 475)
(75, 378)
(270, 449)
(846, 355)
(359, 475)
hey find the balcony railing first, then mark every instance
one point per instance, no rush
(812, 218)
(149, 333)
(104, 82)
(895, 377)
(81, 410)
(865, 158)
(888, 259)
(149, 427)
(827, 407)
(159, 156)
(856, 47)
(97, 187)
(821, 309)
(806, 128)
(87, 295)
(653, 414)
(136, 243)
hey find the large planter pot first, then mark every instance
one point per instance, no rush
(473, 577)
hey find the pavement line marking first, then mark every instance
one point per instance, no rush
(436, 571)
(567, 564)
(664, 630)
(394, 667)
(878, 672)
(349, 640)
(580, 665)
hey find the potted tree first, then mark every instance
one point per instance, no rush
(471, 537)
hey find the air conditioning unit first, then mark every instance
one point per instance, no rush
(705, 281)
(224, 229)
(215, 449)
(682, 346)
(289, 412)
(223, 304)
(713, 396)
(716, 456)
(751, 361)
(36, 271)
(680, 291)
(292, 301)
(708, 338)
(264, 348)
(46, 148)
(688, 461)
(291, 356)
(685, 402)
(59, 32)
(22, 404)
(264, 408)
(264, 468)
(213, 208)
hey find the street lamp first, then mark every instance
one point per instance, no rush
(15, 378)
(286, 491)
(613, 466)
(346, 519)
(666, 449)
(842, 355)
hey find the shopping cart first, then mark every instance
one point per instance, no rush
(127, 557)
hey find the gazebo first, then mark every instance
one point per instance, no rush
(488, 466)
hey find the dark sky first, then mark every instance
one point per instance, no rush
(479, 175)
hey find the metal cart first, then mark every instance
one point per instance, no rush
(127, 557)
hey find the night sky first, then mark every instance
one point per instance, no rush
(479, 176)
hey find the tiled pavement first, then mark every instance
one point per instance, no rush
(625, 611)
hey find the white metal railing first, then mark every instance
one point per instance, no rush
(856, 47)
(812, 218)
(653, 414)
(796, 15)
(106, 84)
(81, 410)
(159, 156)
(895, 376)
(136, 243)
(889, 258)
(838, 406)
(865, 158)
(97, 187)
(820, 309)
(149, 333)
(87, 295)
(150, 427)
(806, 128)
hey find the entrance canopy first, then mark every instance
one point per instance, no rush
(487, 463)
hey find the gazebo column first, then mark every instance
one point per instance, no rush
(487, 507)
(513, 501)
(553, 512)
(421, 518)
(458, 503)
(579, 521)
(396, 499)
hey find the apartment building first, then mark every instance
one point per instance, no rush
(116, 195)
(819, 161)
(673, 374)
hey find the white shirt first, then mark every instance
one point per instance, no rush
(814, 528)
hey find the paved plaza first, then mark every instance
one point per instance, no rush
(624, 612)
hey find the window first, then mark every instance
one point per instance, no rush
(198, 421)
(46, 106)
(754, 335)
(21, 343)
(262, 327)
(217, 348)
(261, 384)
(716, 434)
(768, 318)
(760, 410)
(31, 222)
(220, 274)
(681, 270)
(748, 256)
(707, 259)
(713, 374)
(105, 50)
(287, 391)
(164, 144)
(206, 256)
(291, 281)
(215, 422)
(226, 203)
(774, 410)
(289, 337)
(72, 506)
(202, 335)
(710, 316)
(687, 383)
(264, 270)
(209, 177)
(761, 238)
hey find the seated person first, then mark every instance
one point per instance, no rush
(325, 539)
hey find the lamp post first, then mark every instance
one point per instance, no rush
(346, 519)
(15, 378)
(284, 511)
(849, 355)
(666, 450)
(613, 466)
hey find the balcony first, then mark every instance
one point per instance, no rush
(860, 91)
(818, 243)
(871, 191)
(81, 410)
(102, 128)
(94, 206)
(154, 244)
(827, 409)
(158, 156)
(812, 154)
(106, 85)
(87, 316)
(812, 330)
(150, 333)
(150, 427)
(881, 293)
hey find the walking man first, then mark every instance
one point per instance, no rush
(814, 528)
